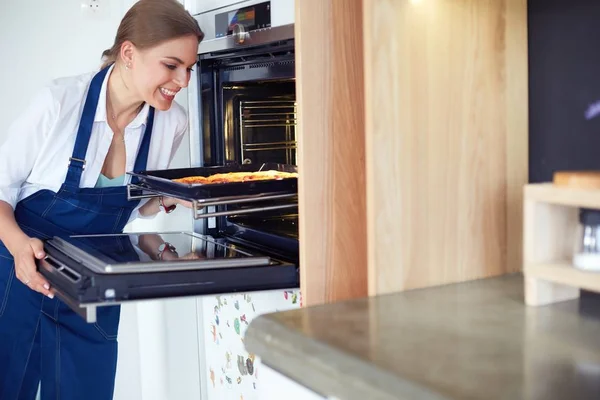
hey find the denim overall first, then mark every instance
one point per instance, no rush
(42, 338)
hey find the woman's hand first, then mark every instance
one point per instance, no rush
(24, 251)
(25, 254)
(152, 206)
(169, 201)
(173, 256)
(191, 256)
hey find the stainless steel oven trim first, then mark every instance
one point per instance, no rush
(253, 38)
(195, 104)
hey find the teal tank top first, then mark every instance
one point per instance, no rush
(104, 182)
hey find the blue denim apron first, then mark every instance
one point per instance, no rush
(42, 338)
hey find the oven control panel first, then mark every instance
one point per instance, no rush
(241, 20)
(237, 22)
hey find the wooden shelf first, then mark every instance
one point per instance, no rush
(550, 225)
(565, 273)
(551, 194)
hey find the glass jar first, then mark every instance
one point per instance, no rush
(587, 242)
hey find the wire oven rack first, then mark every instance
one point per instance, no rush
(280, 114)
(200, 206)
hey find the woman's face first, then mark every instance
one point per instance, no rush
(158, 73)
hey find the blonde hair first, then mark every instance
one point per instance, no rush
(151, 22)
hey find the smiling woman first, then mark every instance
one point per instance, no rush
(158, 41)
(62, 172)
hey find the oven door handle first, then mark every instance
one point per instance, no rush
(252, 38)
(52, 265)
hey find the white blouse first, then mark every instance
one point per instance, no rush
(40, 141)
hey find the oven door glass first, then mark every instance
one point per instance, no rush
(100, 270)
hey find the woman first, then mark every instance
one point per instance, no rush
(62, 172)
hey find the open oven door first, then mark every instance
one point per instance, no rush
(93, 271)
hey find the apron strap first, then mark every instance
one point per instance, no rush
(142, 157)
(84, 133)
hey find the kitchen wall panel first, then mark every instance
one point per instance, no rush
(446, 139)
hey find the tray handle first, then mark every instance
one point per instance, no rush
(137, 192)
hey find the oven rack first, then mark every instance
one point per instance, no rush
(266, 114)
(200, 206)
(285, 145)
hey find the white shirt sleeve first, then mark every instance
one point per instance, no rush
(26, 137)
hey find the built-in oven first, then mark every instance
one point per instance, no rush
(242, 112)
(244, 91)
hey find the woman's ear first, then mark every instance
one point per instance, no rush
(126, 54)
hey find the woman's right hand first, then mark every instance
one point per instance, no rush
(24, 251)
(25, 254)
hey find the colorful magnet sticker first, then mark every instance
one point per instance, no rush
(241, 365)
(250, 366)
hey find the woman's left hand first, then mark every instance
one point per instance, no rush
(172, 200)
(154, 205)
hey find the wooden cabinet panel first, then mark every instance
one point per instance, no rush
(446, 139)
(331, 157)
(424, 104)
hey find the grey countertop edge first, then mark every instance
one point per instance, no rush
(343, 376)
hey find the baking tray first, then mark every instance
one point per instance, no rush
(161, 181)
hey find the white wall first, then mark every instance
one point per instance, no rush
(41, 40)
(44, 39)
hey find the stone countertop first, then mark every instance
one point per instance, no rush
(474, 340)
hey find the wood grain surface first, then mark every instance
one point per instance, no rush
(331, 150)
(446, 139)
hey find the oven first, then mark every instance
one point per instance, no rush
(244, 86)
(244, 92)
(242, 109)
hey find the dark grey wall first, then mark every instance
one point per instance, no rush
(564, 86)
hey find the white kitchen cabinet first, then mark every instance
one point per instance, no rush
(228, 371)
(275, 386)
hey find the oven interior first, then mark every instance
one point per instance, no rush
(260, 122)
(249, 116)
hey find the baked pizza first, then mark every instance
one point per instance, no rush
(229, 177)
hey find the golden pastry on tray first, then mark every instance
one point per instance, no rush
(229, 177)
